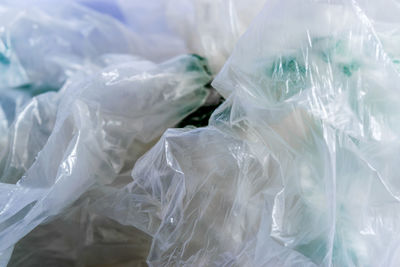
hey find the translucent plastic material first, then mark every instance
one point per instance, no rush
(204, 197)
(299, 167)
(100, 126)
(80, 236)
(384, 16)
(148, 19)
(326, 97)
(11, 103)
(27, 135)
(43, 42)
(211, 28)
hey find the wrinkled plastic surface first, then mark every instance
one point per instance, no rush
(299, 167)
(211, 28)
(149, 20)
(204, 197)
(43, 42)
(11, 103)
(385, 20)
(80, 236)
(100, 125)
(325, 97)
(27, 135)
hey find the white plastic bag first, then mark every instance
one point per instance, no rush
(204, 197)
(42, 42)
(317, 86)
(103, 123)
(11, 103)
(299, 167)
(211, 28)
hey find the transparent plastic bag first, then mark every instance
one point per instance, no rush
(297, 168)
(211, 28)
(27, 135)
(11, 103)
(316, 86)
(150, 20)
(147, 19)
(385, 20)
(80, 236)
(43, 42)
(103, 123)
(201, 195)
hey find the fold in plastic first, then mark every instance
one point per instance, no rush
(211, 28)
(299, 167)
(101, 124)
(43, 42)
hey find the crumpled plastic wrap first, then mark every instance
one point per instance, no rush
(385, 20)
(297, 168)
(211, 28)
(80, 236)
(148, 19)
(11, 103)
(101, 124)
(44, 42)
(27, 135)
(202, 208)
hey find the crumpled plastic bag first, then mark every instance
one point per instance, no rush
(102, 123)
(27, 135)
(11, 103)
(80, 236)
(147, 19)
(326, 97)
(385, 20)
(43, 42)
(297, 168)
(211, 28)
(202, 208)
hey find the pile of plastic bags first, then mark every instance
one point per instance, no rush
(297, 166)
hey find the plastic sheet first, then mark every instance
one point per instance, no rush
(42, 42)
(203, 208)
(150, 20)
(80, 236)
(324, 97)
(11, 103)
(103, 123)
(211, 28)
(385, 20)
(299, 165)
(27, 135)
